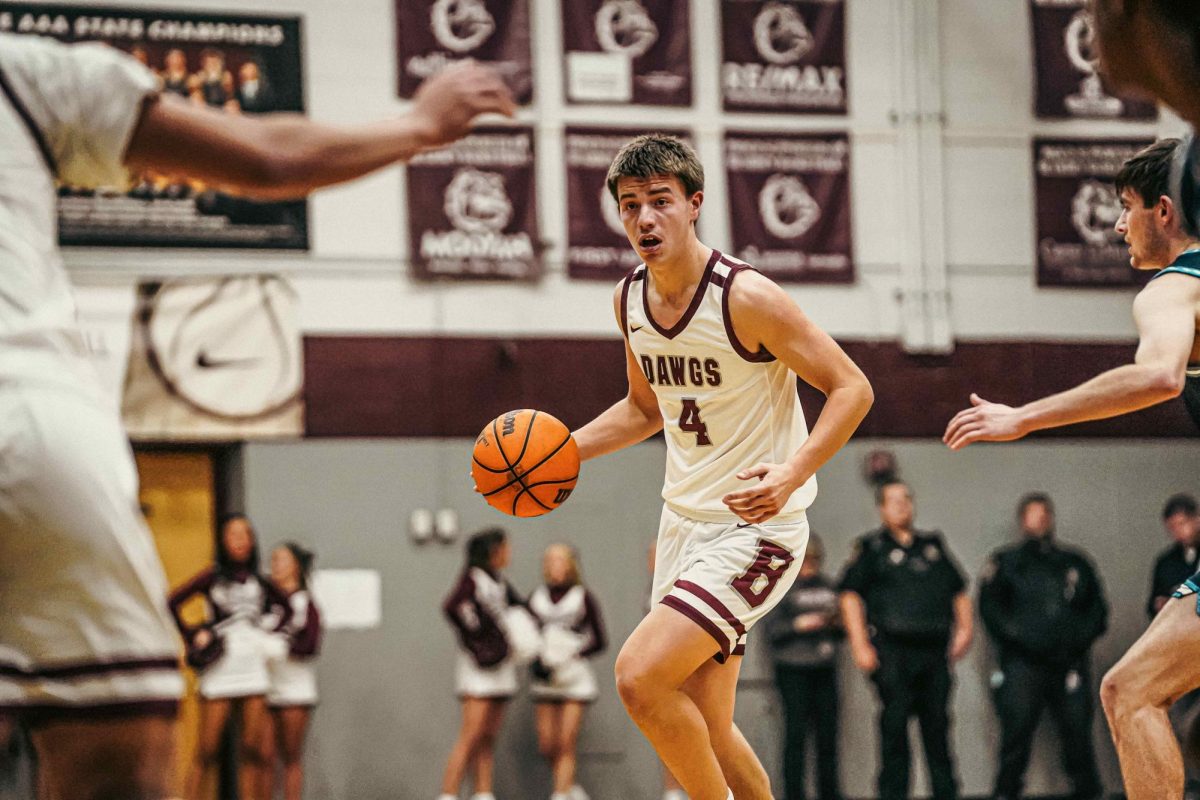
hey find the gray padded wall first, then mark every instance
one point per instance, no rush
(387, 716)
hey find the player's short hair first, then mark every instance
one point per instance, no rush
(657, 154)
(1148, 172)
(482, 544)
(1177, 503)
(1040, 498)
(882, 487)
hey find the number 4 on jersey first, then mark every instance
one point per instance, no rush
(689, 420)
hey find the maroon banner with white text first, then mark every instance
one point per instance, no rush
(1067, 83)
(627, 51)
(789, 204)
(788, 57)
(596, 244)
(472, 210)
(432, 34)
(1077, 209)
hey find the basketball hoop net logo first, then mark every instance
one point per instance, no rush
(1094, 212)
(786, 207)
(460, 26)
(780, 34)
(624, 26)
(476, 202)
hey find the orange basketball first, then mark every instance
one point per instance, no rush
(525, 463)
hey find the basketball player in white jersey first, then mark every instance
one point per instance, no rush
(713, 350)
(87, 653)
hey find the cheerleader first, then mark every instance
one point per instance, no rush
(563, 684)
(229, 650)
(486, 672)
(293, 688)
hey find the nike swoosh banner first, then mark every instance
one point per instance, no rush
(214, 359)
(597, 248)
(789, 204)
(433, 34)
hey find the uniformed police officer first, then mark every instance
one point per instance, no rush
(1043, 606)
(907, 618)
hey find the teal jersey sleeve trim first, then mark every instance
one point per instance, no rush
(1188, 263)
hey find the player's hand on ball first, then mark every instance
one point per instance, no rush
(983, 422)
(445, 104)
(765, 499)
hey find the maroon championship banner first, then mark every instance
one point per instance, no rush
(627, 51)
(471, 208)
(788, 57)
(433, 34)
(238, 64)
(1077, 207)
(789, 204)
(1067, 83)
(597, 248)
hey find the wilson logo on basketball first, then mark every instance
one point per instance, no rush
(562, 495)
(510, 424)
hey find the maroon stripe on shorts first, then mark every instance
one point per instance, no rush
(88, 668)
(40, 714)
(715, 604)
(704, 622)
(740, 650)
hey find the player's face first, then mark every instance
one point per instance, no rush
(556, 565)
(1182, 527)
(1145, 231)
(1036, 520)
(658, 216)
(284, 568)
(176, 62)
(238, 540)
(896, 510)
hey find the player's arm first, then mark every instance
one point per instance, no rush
(1165, 313)
(628, 421)
(282, 156)
(764, 315)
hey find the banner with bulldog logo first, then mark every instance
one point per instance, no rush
(1065, 56)
(1077, 209)
(627, 51)
(472, 210)
(597, 248)
(229, 62)
(788, 57)
(433, 34)
(789, 204)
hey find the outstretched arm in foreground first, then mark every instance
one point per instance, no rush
(285, 156)
(1165, 313)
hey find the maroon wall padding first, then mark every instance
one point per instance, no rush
(451, 386)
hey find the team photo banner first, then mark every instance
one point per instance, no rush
(433, 34)
(232, 63)
(1067, 83)
(597, 248)
(471, 208)
(787, 57)
(633, 51)
(1077, 209)
(789, 204)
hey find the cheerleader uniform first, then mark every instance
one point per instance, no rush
(572, 631)
(293, 676)
(235, 663)
(476, 607)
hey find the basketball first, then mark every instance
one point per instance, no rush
(525, 463)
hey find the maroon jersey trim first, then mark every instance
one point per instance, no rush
(704, 622)
(630, 278)
(763, 356)
(88, 668)
(715, 604)
(692, 308)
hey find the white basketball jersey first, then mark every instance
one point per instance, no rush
(724, 408)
